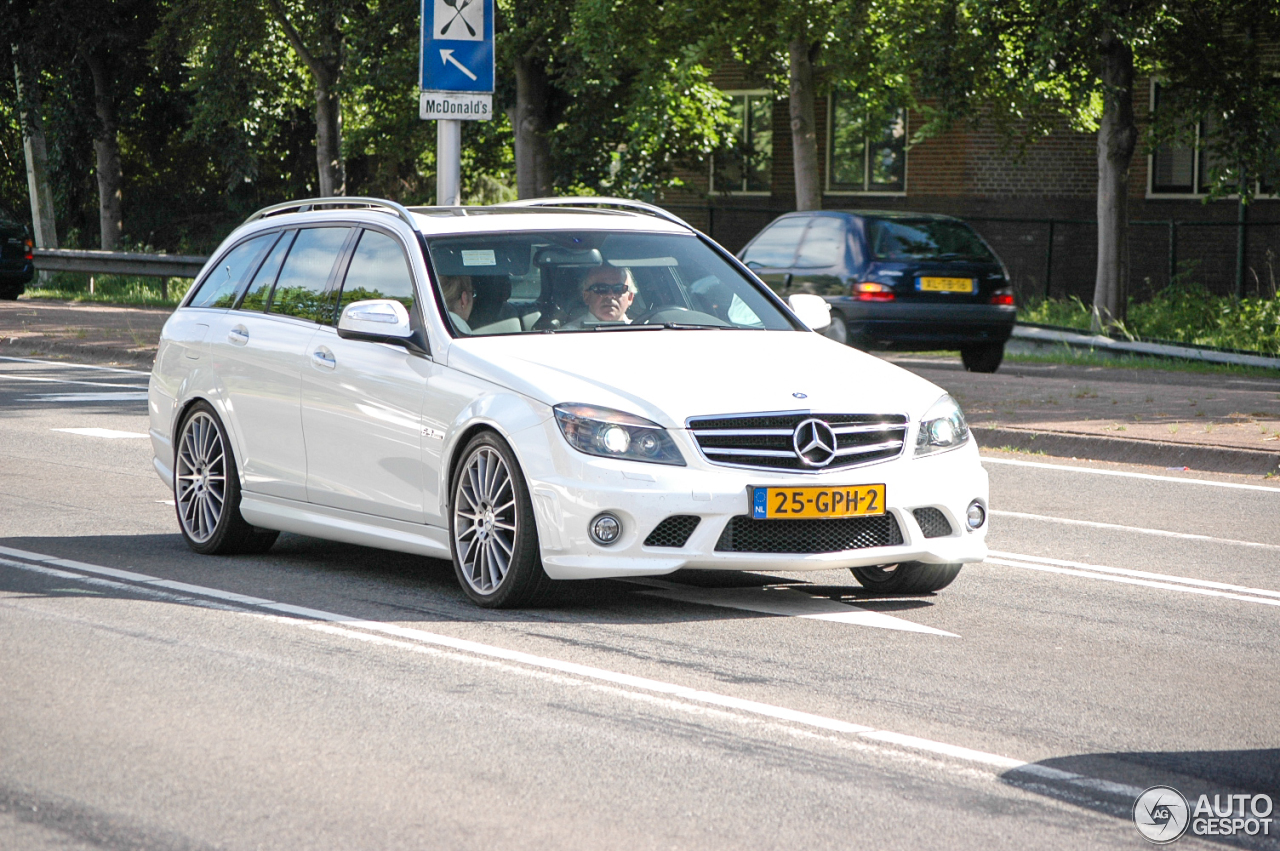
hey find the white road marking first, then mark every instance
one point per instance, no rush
(1137, 577)
(87, 397)
(74, 365)
(784, 601)
(42, 380)
(678, 697)
(109, 433)
(1093, 524)
(1124, 474)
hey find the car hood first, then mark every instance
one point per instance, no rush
(668, 376)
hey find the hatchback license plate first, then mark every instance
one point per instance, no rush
(816, 502)
(946, 285)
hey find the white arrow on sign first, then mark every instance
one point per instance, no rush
(446, 56)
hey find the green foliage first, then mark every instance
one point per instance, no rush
(111, 289)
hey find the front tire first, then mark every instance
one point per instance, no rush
(491, 528)
(908, 577)
(982, 358)
(206, 489)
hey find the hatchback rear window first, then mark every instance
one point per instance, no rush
(925, 239)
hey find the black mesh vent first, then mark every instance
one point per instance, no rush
(745, 535)
(932, 522)
(673, 532)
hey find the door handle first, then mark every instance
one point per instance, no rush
(323, 358)
(238, 336)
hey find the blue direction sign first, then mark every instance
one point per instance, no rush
(457, 46)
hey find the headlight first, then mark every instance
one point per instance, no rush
(942, 428)
(613, 434)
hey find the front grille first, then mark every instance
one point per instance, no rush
(745, 535)
(932, 522)
(673, 532)
(765, 441)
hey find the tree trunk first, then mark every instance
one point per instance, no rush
(34, 147)
(325, 66)
(533, 152)
(329, 162)
(1117, 138)
(804, 135)
(106, 146)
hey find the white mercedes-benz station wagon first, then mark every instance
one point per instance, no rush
(546, 390)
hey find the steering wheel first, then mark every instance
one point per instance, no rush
(679, 315)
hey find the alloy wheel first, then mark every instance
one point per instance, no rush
(201, 477)
(485, 521)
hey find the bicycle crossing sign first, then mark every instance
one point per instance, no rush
(456, 68)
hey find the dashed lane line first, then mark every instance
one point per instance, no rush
(1093, 524)
(676, 696)
(1127, 475)
(109, 433)
(1137, 577)
(67, 365)
(42, 380)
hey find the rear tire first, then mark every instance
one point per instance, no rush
(908, 577)
(982, 358)
(206, 489)
(837, 330)
(10, 293)
(492, 533)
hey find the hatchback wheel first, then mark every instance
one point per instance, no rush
(982, 358)
(206, 489)
(10, 293)
(494, 539)
(908, 577)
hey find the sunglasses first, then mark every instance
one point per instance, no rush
(607, 289)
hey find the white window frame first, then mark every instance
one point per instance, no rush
(866, 152)
(1196, 194)
(711, 175)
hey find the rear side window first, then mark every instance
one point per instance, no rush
(300, 289)
(824, 244)
(776, 246)
(260, 289)
(221, 286)
(378, 269)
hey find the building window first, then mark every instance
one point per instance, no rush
(745, 164)
(1179, 169)
(865, 154)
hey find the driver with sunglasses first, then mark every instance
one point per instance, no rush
(607, 291)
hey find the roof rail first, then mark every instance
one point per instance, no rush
(308, 204)
(590, 201)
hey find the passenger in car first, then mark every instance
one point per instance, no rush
(607, 292)
(458, 299)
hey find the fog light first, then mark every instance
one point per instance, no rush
(976, 516)
(605, 529)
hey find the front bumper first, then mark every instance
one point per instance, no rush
(569, 489)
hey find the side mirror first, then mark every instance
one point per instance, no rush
(381, 320)
(812, 310)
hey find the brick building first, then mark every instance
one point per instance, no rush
(1035, 206)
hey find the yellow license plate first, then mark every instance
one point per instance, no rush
(808, 502)
(946, 285)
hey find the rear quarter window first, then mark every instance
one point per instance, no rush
(221, 286)
(775, 247)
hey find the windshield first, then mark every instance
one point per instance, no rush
(590, 281)
(925, 239)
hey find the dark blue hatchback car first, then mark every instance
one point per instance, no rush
(905, 281)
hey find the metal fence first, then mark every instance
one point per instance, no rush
(162, 266)
(1058, 257)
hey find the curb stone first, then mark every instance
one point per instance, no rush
(1154, 453)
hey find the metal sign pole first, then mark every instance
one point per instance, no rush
(448, 162)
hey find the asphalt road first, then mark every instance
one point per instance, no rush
(1122, 635)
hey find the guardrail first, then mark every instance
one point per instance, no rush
(118, 263)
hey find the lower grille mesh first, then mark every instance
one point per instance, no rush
(673, 532)
(745, 535)
(932, 522)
